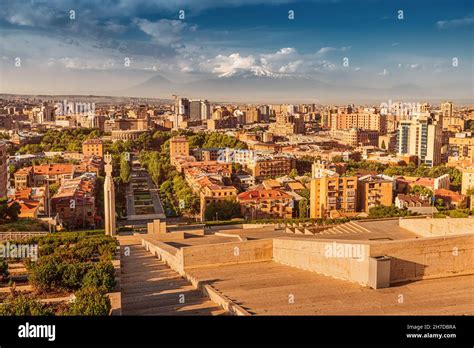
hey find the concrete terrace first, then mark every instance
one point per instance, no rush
(264, 288)
(277, 270)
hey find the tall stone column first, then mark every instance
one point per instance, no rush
(109, 197)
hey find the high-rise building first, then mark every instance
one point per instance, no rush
(182, 107)
(447, 109)
(46, 114)
(252, 115)
(365, 121)
(205, 110)
(195, 110)
(421, 136)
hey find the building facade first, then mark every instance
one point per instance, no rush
(333, 193)
(421, 136)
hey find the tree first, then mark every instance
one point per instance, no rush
(222, 210)
(293, 173)
(422, 191)
(381, 211)
(125, 169)
(9, 211)
(303, 208)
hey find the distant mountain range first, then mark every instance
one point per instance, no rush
(253, 85)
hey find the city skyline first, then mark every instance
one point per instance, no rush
(240, 50)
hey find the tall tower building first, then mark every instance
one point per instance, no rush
(421, 136)
(447, 109)
(109, 197)
(182, 108)
(195, 110)
(205, 110)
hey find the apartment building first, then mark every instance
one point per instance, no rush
(210, 189)
(365, 121)
(374, 190)
(179, 146)
(355, 136)
(41, 174)
(271, 166)
(467, 179)
(461, 147)
(93, 147)
(421, 136)
(333, 194)
(74, 203)
(265, 204)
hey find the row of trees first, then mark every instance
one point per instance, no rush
(63, 140)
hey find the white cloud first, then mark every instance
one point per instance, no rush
(228, 65)
(454, 23)
(164, 31)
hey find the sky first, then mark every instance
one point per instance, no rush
(110, 46)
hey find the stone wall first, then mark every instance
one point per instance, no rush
(227, 253)
(438, 227)
(424, 258)
(311, 255)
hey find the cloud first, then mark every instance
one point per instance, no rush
(325, 50)
(455, 23)
(163, 31)
(229, 65)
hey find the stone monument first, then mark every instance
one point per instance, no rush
(109, 197)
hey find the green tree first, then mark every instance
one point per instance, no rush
(303, 208)
(125, 169)
(223, 210)
(293, 173)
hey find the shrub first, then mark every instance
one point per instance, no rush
(21, 305)
(72, 274)
(3, 269)
(100, 275)
(46, 274)
(90, 301)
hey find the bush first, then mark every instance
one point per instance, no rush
(101, 275)
(73, 274)
(46, 274)
(3, 269)
(21, 305)
(90, 301)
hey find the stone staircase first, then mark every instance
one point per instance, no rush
(351, 227)
(150, 287)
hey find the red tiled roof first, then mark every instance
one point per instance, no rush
(262, 194)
